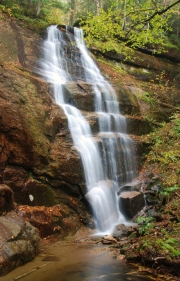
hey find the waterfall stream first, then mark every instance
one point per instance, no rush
(108, 157)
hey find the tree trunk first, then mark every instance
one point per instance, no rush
(38, 8)
(98, 6)
(72, 12)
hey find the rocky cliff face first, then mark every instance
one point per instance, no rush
(36, 147)
(37, 158)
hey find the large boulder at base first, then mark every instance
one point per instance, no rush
(19, 242)
(130, 203)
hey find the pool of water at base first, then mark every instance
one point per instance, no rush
(72, 261)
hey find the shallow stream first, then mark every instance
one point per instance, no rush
(76, 261)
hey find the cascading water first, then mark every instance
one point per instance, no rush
(108, 158)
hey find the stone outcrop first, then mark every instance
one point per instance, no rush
(19, 242)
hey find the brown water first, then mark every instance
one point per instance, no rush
(72, 261)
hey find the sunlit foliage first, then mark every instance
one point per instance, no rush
(138, 24)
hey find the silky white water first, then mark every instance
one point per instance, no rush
(108, 157)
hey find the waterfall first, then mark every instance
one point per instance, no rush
(108, 157)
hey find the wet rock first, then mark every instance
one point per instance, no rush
(83, 99)
(19, 242)
(156, 188)
(122, 242)
(108, 239)
(82, 95)
(36, 149)
(130, 203)
(120, 231)
(132, 186)
(88, 220)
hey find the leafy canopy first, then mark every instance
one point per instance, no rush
(131, 23)
(36, 13)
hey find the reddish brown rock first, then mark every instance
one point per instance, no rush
(6, 198)
(58, 220)
(35, 142)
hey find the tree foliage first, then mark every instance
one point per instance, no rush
(36, 13)
(32, 8)
(140, 23)
(106, 23)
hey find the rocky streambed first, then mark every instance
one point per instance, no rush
(81, 257)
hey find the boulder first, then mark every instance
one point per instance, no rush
(19, 242)
(77, 95)
(108, 239)
(120, 231)
(130, 203)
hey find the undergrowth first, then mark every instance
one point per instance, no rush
(165, 151)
